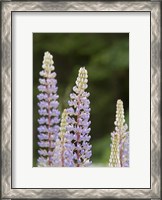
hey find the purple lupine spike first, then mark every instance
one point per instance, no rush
(119, 156)
(63, 154)
(78, 120)
(48, 110)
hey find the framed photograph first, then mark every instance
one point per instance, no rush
(80, 99)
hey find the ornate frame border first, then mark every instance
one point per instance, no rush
(7, 7)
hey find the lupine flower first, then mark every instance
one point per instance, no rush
(114, 160)
(78, 120)
(119, 156)
(48, 110)
(63, 154)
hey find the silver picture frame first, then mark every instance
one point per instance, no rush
(7, 7)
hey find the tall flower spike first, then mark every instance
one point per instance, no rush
(78, 120)
(122, 143)
(63, 154)
(114, 160)
(48, 110)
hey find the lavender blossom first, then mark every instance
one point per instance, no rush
(63, 154)
(119, 156)
(78, 120)
(48, 110)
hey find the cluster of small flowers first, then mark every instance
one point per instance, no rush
(63, 154)
(66, 145)
(48, 110)
(119, 156)
(78, 120)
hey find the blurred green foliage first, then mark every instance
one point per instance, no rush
(106, 57)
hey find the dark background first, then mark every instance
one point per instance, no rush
(106, 57)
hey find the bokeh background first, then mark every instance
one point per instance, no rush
(106, 57)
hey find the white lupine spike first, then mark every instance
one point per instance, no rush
(63, 154)
(120, 140)
(119, 114)
(114, 160)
